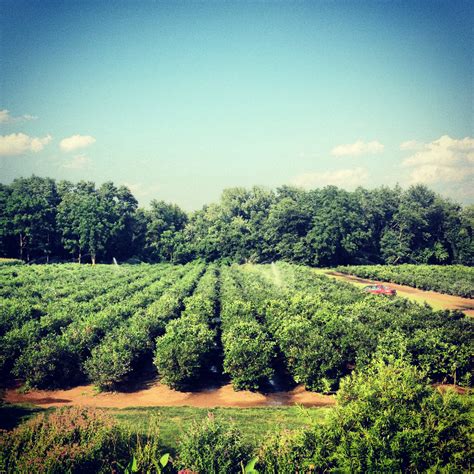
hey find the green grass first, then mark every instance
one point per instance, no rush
(255, 423)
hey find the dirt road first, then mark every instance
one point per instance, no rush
(434, 299)
(159, 395)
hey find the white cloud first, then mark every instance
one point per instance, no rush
(430, 174)
(79, 162)
(345, 178)
(358, 148)
(5, 117)
(76, 142)
(19, 143)
(412, 145)
(446, 160)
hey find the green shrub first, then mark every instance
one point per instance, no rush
(388, 419)
(68, 440)
(248, 355)
(110, 361)
(47, 363)
(146, 455)
(183, 351)
(212, 447)
(288, 452)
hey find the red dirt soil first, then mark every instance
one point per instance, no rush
(160, 395)
(438, 300)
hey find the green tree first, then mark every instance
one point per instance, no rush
(31, 213)
(288, 223)
(121, 208)
(87, 218)
(416, 233)
(464, 240)
(164, 223)
(248, 355)
(339, 228)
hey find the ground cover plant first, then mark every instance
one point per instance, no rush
(451, 279)
(172, 422)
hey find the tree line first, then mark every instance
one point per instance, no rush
(44, 220)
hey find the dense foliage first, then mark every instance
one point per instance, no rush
(41, 219)
(320, 329)
(53, 325)
(248, 348)
(213, 447)
(187, 348)
(452, 279)
(64, 324)
(387, 420)
(126, 345)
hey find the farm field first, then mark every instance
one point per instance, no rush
(262, 328)
(450, 279)
(438, 301)
(236, 237)
(181, 358)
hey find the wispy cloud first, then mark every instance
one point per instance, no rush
(19, 143)
(345, 178)
(75, 142)
(6, 118)
(143, 191)
(358, 148)
(79, 162)
(446, 160)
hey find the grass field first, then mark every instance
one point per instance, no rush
(255, 423)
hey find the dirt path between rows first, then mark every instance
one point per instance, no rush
(160, 395)
(434, 299)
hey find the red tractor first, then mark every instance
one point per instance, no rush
(380, 290)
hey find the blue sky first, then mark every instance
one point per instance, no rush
(180, 100)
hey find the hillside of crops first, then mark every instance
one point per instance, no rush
(61, 325)
(450, 279)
